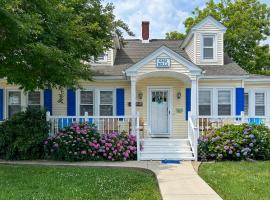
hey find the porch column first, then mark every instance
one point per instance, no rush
(194, 97)
(133, 103)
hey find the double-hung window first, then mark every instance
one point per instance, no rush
(34, 99)
(246, 103)
(224, 102)
(259, 103)
(103, 57)
(106, 103)
(14, 102)
(87, 102)
(208, 47)
(205, 99)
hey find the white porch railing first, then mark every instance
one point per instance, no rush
(104, 124)
(207, 123)
(193, 135)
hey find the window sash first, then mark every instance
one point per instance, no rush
(259, 104)
(106, 106)
(31, 100)
(208, 47)
(224, 103)
(205, 101)
(87, 105)
(246, 103)
(15, 103)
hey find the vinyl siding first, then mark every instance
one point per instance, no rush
(209, 28)
(220, 83)
(175, 67)
(190, 49)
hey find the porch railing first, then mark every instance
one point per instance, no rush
(104, 124)
(207, 123)
(193, 135)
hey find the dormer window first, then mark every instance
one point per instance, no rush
(208, 47)
(102, 58)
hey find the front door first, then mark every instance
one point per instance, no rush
(159, 112)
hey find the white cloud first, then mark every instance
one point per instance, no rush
(164, 15)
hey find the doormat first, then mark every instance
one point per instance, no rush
(170, 161)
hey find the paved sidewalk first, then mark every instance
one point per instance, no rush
(176, 182)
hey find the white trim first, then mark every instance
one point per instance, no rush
(41, 101)
(223, 77)
(209, 18)
(214, 100)
(109, 77)
(252, 104)
(210, 35)
(170, 110)
(194, 69)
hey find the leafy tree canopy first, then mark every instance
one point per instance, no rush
(45, 43)
(175, 35)
(248, 23)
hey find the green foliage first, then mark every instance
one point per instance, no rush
(22, 136)
(81, 142)
(248, 24)
(175, 35)
(236, 142)
(43, 43)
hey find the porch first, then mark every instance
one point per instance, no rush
(156, 148)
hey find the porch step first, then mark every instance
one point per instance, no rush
(166, 149)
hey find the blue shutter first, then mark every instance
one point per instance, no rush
(1, 104)
(239, 97)
(188, 101)
(48, 100)
(71, 102)
(120, 101)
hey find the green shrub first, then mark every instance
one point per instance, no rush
(236, 142)
(81, 142)
(22, 136)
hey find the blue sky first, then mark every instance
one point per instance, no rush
(164, 15)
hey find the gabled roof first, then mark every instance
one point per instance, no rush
(164, 50)
(206, 20)
(135, 50)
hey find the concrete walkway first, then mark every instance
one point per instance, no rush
(176, 182)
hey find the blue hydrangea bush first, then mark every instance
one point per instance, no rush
(82, 142)
(235, 142)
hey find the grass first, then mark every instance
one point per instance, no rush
(53, 183)
(238, 180)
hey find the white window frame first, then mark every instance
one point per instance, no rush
(113, 103)
(214, 36)
(41, 101)
(7, 100)
(252, 101)
(214, 107)
(78, 110)
(232, 105)
(105, 58)
(249, 102)
(211, 101)
(262, 92)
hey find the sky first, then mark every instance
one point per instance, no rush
(164, 15)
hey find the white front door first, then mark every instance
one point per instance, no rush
(159, 112)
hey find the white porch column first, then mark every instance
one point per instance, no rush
(133, 103)
(194, 97)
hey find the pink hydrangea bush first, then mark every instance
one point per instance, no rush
(82, 142)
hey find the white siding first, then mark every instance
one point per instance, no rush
(190, 49)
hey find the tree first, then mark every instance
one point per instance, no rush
(247, 22)
(175, 35)
(46, 43)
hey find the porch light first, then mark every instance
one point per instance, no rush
(179, 95)
(140, 95)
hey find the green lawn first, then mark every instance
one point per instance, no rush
(50, 183)
(238, 180)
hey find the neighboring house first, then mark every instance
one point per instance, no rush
(162, 81)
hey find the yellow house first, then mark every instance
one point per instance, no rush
(166, 91)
